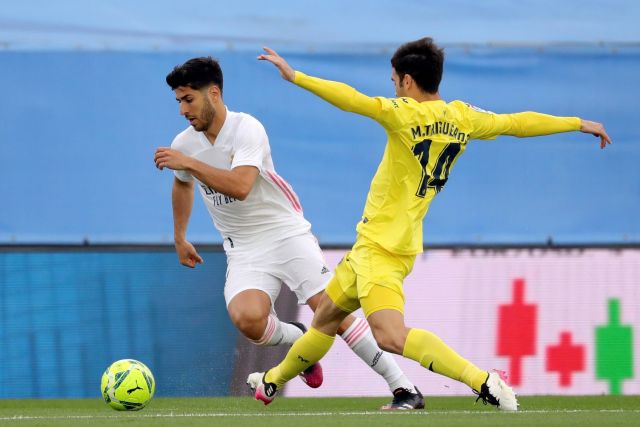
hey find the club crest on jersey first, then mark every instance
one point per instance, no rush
(479, 110)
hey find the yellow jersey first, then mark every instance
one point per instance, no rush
(424, 140)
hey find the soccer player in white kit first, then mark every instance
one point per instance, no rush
(267, 240)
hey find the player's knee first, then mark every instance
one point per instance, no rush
(389, 340)
(327, 316)
(323, 309)
(250, 324)
(314, 301)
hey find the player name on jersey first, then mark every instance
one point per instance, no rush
(439, 128)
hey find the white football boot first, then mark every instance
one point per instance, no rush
(495, 391)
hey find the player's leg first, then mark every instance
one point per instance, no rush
(384, 308)
(251, 289)
(303, 269)
(298, 262)
(313, 345)
(380, 291)
(306, 351)
(250, 296)
(338, 300)
(251, 311)
(420, 345)
(357, 334)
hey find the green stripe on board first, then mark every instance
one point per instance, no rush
(614, 350)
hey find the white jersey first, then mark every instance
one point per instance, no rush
(271, 211)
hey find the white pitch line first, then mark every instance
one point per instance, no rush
(306, 414)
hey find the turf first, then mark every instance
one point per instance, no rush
(441, 411)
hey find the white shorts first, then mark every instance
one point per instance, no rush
(296, 261)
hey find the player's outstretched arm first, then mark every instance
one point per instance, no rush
(339, 94)
(597, 130)
(285, 69)
(487, 125)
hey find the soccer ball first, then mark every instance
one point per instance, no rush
(127, 385)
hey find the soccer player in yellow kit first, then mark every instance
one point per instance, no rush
(425, 137)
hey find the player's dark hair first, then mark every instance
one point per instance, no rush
(422, 60)
(196, 73)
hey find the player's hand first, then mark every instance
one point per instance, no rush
(187, 254)
(168, 158)
(285, 69)
(595, 129)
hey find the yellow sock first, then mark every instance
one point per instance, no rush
(307, 350)
(431, 352)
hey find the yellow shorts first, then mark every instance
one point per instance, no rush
(370, 277)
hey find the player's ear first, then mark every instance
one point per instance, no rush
(407, 81)
(214, 92)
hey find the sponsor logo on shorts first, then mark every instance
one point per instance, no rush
(324, 270)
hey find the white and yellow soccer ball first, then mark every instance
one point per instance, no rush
(127, 385)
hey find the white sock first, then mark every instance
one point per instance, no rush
(360, 339)
(278, 332)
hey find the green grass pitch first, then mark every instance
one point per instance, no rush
(228, 411)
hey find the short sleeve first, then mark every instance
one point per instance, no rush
(251, 144)
(179, 145)
(183, 176)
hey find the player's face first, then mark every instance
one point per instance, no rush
(196, 107)
(397, 82)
